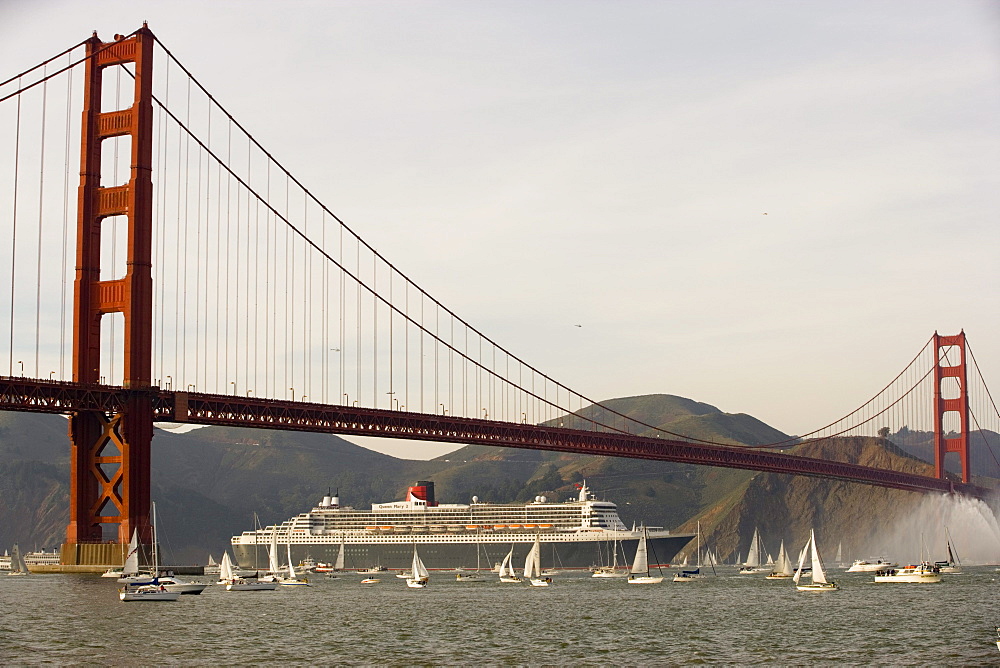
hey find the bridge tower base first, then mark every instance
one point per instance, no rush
(945, 369)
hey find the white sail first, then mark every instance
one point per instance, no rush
(211, 561)
(339, 564)
(640, 565)
(272, 553)
(417, 568)
(783, 565)
(840, 554)
(291, 569)
(753, 557)
(818, 576)
(802, 561)
(226, 568)
(507, 568)
(533, 563)
(17, 564)
(131, 566)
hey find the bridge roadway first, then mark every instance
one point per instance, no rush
(43, 396)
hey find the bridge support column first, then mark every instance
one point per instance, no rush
(944, 369)
(110, 454)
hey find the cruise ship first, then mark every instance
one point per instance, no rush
(576, 533)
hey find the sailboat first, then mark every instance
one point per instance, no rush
(819, 582)
(130, 561)
(954, 564)
(782, 567)
(507, 573)
(533, 566)
(228, 577)
(612, 570)
(419, 577)
(840, 555)
(689, 575)
(17, 565)
(273, 567)
(153, 590)
(472, 577)
(755, 558)
(292, 580)
(639, 573)
(211, 568)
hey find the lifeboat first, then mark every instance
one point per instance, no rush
(545, 527)
(499, 527)
(401, 529)
(436, 528)
(385, 528)
(419, 529)
(513, 526)
(471, 527)
(527, 526)
(371, 529)
(455, 529)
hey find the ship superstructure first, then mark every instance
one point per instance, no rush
(578, 530)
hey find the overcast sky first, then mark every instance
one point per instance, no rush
(765, 206)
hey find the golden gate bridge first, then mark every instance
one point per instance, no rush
(185, 275)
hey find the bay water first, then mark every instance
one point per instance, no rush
(723, 619)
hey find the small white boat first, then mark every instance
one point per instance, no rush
(211, 568)
(533, 566)
(374, 570)
(419, 577)
(639, 573)
(871, 565)
(368, 581)
(953, 565)
(691, 574)
(756, 559)
(17, 565)
(782, 567)
(232, 582)
(147, 592)
(469, 577)
(922, 573)
(818, 577)
(506, 571)
(292, 580)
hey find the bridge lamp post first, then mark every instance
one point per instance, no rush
(233, 383)
(486, 414)
(302, 398)
(355, 404)
(347, 399)
(170, 383)
(293, 393)
(22, 366)
(51, 374)
(191, 387)
(444, 411)
(524, 418)
(249, 392)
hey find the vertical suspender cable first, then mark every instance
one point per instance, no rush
(13, 236)
(41, 201)
(65, 229)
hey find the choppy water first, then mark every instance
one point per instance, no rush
(66, 619)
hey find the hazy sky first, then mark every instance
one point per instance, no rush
(765, 206)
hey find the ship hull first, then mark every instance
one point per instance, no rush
(446, 555)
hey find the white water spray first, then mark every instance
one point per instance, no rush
(971, 523)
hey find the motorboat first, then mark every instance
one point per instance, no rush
(368, 581)
(923, 573)
(871, 565)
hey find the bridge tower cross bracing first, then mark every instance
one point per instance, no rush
(110, 454)
(960, 404)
